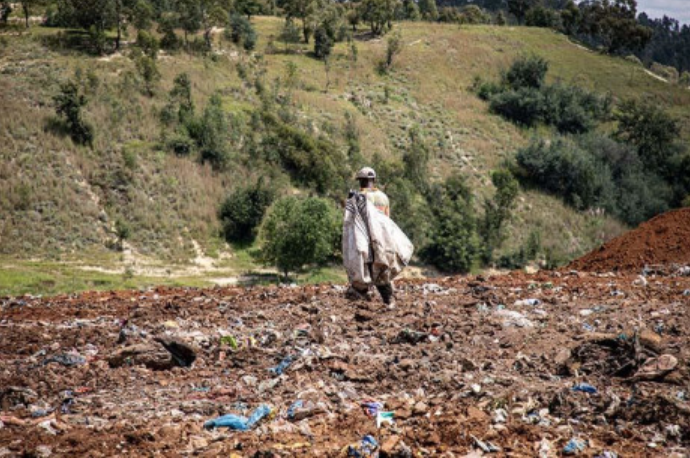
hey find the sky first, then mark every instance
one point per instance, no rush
(678, 9)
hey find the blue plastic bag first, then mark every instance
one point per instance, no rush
(280, 368)
(585, 388)
(238, 422)
(574, 446)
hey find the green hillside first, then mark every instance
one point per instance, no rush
(60, 201)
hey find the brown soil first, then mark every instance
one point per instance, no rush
(445, 361)
(663, 240)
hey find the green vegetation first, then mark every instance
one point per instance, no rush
(168, 151)
(242, 211)
(299, 231)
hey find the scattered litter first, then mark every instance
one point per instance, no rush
(280, 368)
(575, 446)
(585, 388)
(239, 422)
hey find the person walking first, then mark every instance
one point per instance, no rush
(367, 184)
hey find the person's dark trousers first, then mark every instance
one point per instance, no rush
(386, 292)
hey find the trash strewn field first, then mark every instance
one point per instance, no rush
(517, 365)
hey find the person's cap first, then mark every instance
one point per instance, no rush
(365, 173)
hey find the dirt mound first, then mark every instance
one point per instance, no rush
(662, 240)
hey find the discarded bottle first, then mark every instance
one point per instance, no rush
(238, 422)
(280, 368)
(585, 388)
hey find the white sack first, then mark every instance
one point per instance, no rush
(370, 237)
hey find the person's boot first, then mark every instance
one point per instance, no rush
(355, 294)
(386, 292)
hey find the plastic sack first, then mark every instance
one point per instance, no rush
(238, 422)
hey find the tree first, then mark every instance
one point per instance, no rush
(519, 8)
(394, 47)
(148, 70)
(190, 16)
(299, 231)
(214, 13)
(27, 5)
(142, 15)
(122, 232)
(290, 33)
(95, 16)
(303, 10)
(570, 18)
(323, 43)
(650, 129)
(416, 160)
(454, 245)
(498, 211)
(248, 8)
(212, 134)
(242, 211)
(5, 11)
(68, 104)
(428, 9)
(613, 25)
(242, 32)
(379, 14)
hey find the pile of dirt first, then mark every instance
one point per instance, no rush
(661, 241)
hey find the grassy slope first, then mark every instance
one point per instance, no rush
(57, 198)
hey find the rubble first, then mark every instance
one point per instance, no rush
(301, 371)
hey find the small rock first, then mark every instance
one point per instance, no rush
(420, 408)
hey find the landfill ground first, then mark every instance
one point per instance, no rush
(465, 364)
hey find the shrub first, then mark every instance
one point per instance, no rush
(242, 211)
(299, 231)
(453, 242)
(323, 43)
(561, 167)
(650, 129)
(572, 109)
(211, 134)
(148, 70)
(241, 32)
(524, 106)
(473, 14)
(541, 17)
(498, 211)
(527, 72)
(68, 104)
(148, 44)
(313, 162)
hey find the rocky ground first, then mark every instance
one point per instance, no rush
(518, 365)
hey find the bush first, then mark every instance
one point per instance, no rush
(650, 129)
(242, 211)
(453, 242)
(527, 72)
(541, 17)
(211, 134)
(68, 104)
(572, 109)
(299, 231)
(498, 211)
(524, 106)
(561, 167)
(313, 162)
(241, 32)
(323, 43)
(473, 14)
(148, 44)
(524, 99)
